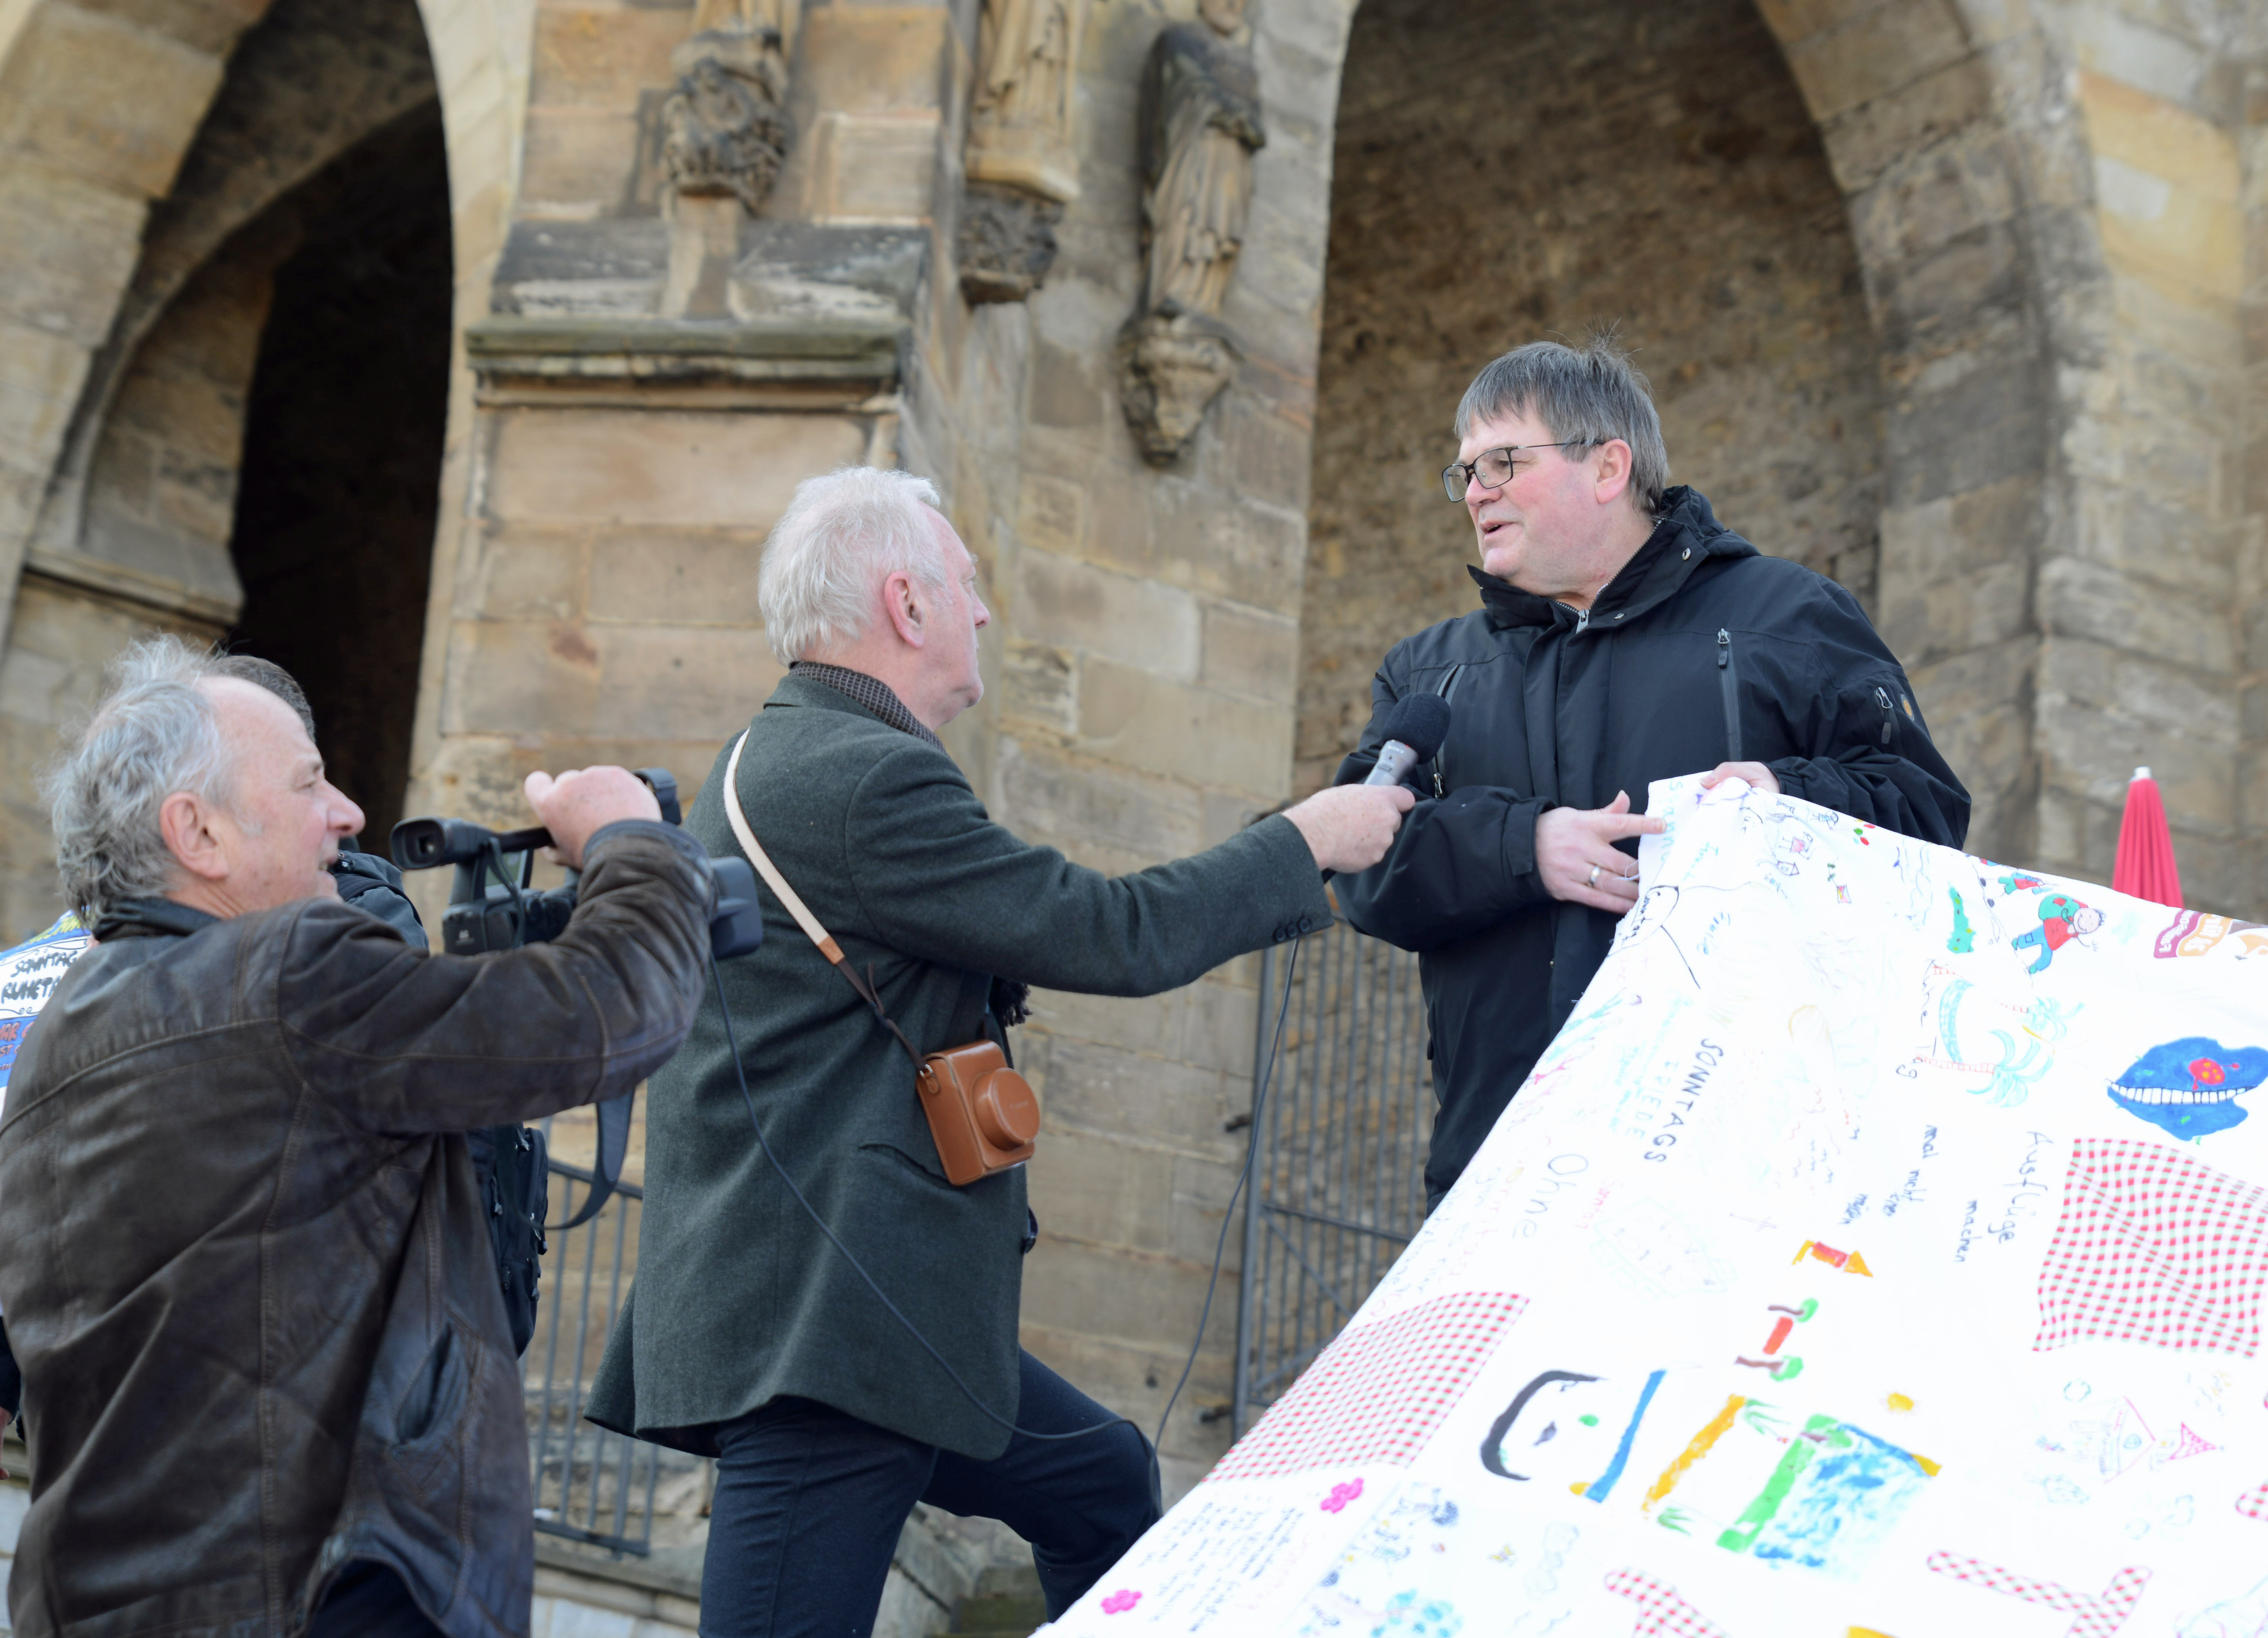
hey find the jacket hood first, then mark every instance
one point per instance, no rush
(1686, 535)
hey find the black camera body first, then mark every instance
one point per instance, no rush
(504, 914)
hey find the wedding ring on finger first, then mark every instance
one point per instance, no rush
(1594, 875)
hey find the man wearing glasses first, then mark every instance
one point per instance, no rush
(1623, 636)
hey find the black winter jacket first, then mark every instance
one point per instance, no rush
(1701, 651)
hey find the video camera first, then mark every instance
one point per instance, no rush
(505, 914)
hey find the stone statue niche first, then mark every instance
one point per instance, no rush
(725, 129)
(1021, 168)
(1199, 124)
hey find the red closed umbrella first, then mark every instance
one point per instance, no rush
(2145, 867)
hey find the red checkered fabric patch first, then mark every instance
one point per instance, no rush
(1661, 1613)
(2254, 1503)
(2096, 1616)
(1377, 1393)
(2153, 1246)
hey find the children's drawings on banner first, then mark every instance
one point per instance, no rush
(1890, 1233)
(28, 976)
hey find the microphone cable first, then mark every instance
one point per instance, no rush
(1252, 1149)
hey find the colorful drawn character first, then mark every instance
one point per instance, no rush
(2189, 1087)
(2016, 881)
(1409, 1615)
(2062, 920)
(1823, 1496)
(1782, 1367)
(1951, 1005)
(1566, 1427)
(1964, 936)
(2193, 932)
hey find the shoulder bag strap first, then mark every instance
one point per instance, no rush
(796, 907)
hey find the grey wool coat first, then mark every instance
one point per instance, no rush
(739, 1299)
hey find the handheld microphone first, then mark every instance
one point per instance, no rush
(1415, 730)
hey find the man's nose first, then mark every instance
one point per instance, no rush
(346, 818)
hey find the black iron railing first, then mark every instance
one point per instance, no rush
(1338, 1170)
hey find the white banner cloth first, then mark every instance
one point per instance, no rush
(1879, 1250)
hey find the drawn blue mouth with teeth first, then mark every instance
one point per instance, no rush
(2189, 1087)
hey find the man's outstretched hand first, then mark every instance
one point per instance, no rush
(1576, 855)
(581, 802)
(1350, 827)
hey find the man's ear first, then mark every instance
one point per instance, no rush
(908, 614)
(185, 822)
(1616, 467)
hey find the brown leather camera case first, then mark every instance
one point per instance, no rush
(983, 1114)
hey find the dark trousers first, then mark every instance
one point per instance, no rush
(809, 1504)
(369, 1601)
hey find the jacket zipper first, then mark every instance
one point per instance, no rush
(1728, 678)
(1448, 686)
(1889, 714)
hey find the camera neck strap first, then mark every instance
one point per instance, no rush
(747, 837)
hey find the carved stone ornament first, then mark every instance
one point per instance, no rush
(1200, 125)
(1171, 366)
(724, 125)
(1006, 244)
(1019, 161)
(1019, 118)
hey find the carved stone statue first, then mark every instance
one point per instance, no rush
(1200, 125)
(725, 124)
(1021, 167)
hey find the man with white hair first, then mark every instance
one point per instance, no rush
(269, 1382)
(753, 1336)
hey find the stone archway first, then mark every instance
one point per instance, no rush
(1948, 166)
(137, 158)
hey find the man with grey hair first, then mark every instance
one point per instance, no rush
(834, 1408)
(269, 1384)
(1623, 636)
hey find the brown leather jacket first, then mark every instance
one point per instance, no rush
(243, 1259)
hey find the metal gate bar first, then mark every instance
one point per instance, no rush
(590, 1486)
(1339, 1150)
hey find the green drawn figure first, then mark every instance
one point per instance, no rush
(1964, 936)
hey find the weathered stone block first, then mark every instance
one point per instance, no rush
(603, 59)
(518, 678)
(69, 248)
(654, 576)
(1068, 390)
(1869, 139)
(1167, 727)
(678, 681)
(2084, 600)
(2115, 44)
(1076, 805)
(40, 373)
(1250, 651)
(577, 158)
(1151, 1025)
(1111, 1092)
(1034, 685)
(1238, 550)
(1096, 1292)
(2159, 138)
(1927, 201)
(1989, 425)
(1051, 514)
(525, 573)
(671, 467)
(867, 168)
(1076, 606)
(875, 59)
(130, 138)
(1103, 1192)
(1874, 53)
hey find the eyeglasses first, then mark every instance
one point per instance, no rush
(1493, 469)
